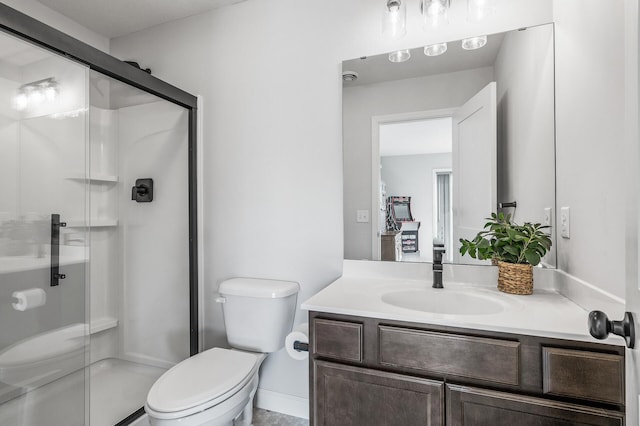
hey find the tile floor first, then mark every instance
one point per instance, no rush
(269, 418)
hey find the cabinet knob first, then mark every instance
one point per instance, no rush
(600, 327)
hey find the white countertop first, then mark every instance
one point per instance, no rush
(545, 313)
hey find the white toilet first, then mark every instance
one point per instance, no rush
(216, 387)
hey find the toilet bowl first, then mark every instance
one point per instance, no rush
(217, 387)
(211, 388)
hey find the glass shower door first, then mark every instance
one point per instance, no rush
(43, 236)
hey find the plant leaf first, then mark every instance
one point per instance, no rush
(532, 257)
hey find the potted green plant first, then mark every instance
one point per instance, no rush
(516, 249)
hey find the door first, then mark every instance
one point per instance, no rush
(632, 165)
(43, 236)
(468, 406)
(474, 165)
(353, 396)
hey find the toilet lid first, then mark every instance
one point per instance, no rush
(209, 375)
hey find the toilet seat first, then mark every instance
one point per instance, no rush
(201, 382)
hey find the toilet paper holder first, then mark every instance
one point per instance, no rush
(301, 346)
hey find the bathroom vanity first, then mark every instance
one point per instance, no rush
(526, 361)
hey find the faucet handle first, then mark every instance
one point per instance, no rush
(438, 252)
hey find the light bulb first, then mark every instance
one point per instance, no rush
(394, 20)
(435, 49)
(399, 56)
(20, 102)
(50, 93)
(477, 10)
(474, 42)
(35, 96)
(435, 9)
(434, 12)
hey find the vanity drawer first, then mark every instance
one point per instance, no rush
(444, 354)
(583, 374)
(337, 340)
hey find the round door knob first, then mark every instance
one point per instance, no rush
(600, 327)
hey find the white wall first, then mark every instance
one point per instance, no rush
(154, 255)
(524, 71)
(360, 104)
(412, 175)
(590, 139)
(60, 22)
(269, 72)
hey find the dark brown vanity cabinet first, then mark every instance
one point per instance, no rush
(348, 395)
(371, 372)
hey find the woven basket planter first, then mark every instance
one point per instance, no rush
(515, 278)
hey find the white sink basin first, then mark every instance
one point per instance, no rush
(445, 301)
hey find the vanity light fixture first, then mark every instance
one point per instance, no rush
(477, 10)
(394, 19)
(35, 93)
(434, 12)
(399, 56)
(435, 49)
(474, 42)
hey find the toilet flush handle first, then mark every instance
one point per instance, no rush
(220, 299)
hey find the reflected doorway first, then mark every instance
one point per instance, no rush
(414, 162)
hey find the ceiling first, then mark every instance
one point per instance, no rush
(114, 18)
(431, 136)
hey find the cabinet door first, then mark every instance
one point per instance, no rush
(478, 407)
(350, 396)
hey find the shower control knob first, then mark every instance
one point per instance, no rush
(142, 192)
(600, 327)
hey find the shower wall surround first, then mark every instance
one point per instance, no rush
(122, 308)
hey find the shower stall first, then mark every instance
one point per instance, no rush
(98, 250)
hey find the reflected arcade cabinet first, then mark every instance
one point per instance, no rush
(399, 218)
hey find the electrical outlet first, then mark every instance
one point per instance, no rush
(565, 222)
(362, 216)
(547, 216)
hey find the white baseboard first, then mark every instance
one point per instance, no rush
(282, 403)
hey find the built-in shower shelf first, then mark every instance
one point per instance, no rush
(101, 324)
(95, 223)
(94, 178)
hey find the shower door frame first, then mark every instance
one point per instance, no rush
(42, 35)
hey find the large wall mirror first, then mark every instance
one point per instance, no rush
(435, 144)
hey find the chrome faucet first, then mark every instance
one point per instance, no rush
(438, 252)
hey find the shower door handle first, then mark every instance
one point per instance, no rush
(56, 276)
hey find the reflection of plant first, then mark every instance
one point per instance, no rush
(507, 241)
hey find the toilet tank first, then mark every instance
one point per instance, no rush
(258, 313)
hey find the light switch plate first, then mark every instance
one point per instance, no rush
(547, 216)
(565, 222)
(362, 216)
